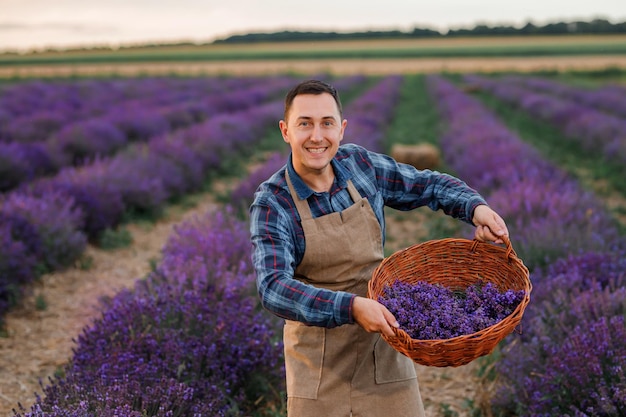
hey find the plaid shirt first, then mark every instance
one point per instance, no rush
(278, 240)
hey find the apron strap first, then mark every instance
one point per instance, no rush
(353, 192)
(303, 205)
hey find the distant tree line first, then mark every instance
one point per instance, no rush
(595, 27)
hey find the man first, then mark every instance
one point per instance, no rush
(317, 228)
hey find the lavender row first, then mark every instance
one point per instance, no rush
(548, 213)
(97, 196)
(595, 130)
(370, 114)
(81, 140)
(189, 339)
(33, 111)
(608, 98)
(576, 257)
(367, 115)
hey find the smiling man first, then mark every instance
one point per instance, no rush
(317, 228)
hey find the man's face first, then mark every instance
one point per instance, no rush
(314, 130)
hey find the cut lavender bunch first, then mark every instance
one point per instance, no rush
(432, 311)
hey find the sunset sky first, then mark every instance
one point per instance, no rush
(39, 24)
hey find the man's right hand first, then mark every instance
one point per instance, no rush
(373, 316)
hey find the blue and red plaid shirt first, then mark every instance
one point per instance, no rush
(278, 240)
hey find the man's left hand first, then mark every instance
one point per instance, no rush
(489, 225)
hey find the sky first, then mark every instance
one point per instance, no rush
(30, 25)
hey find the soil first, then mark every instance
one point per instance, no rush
(39, 341)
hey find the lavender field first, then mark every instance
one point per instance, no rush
(80, 158)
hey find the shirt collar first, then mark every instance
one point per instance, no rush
(342, 175)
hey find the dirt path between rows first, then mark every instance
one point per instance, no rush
(39, 342)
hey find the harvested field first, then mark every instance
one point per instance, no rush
(338, 67)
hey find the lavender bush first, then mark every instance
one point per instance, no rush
(101, 204)
(37, 235)
(19, 259)
(34, 128)
(189, 339)
(22, 162)
(595, 130)
(190, 165)
(55, 220)
(243, 193)
(77, 143)
(573, 342)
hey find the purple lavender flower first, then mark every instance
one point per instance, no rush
(57, 222)
(34, 128)
(592, 355)
(19, 259)
(432, 311)
(100, 202)
(22, 162)
(76, 143)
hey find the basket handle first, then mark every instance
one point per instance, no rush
(510, 252)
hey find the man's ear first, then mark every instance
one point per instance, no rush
(344, 123)
(282, 125)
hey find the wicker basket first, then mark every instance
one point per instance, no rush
(456, 264)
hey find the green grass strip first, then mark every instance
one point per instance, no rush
(612, 47)
(417, 121)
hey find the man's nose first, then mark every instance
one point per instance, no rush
(316, 134)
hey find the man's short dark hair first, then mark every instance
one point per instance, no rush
(311, 87)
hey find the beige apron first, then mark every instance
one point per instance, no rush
(344, 371)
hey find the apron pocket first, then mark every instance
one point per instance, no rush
(304, 356)
(391, 365)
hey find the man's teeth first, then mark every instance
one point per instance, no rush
(317, 150)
